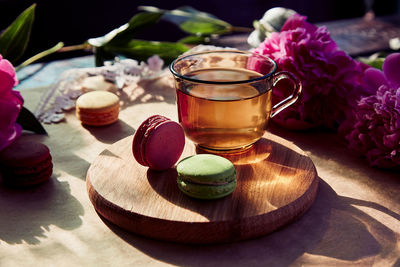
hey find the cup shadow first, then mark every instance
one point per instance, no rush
(265, 150)
(263, 161)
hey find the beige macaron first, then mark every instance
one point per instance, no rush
(97, 108)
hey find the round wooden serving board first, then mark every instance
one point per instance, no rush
(277, 183)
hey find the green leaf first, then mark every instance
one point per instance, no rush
(126, 32)
(203, 27)
(373, 62)
(29, 122)
(142, 50)
(15, 38)
(138, 22)
(192, 21)
(193, 39)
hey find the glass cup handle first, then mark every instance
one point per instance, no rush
(290, 99)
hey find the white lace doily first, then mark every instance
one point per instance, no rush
(61, 96)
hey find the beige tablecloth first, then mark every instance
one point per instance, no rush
(354, 220)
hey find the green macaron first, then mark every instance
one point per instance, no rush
(206, 176)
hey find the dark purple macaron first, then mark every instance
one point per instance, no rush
(25, 163)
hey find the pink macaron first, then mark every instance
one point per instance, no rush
(158, 143)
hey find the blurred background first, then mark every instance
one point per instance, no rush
(75, 21)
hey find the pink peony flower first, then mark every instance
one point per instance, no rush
(10, 104)
(331, 79)
(376, 121)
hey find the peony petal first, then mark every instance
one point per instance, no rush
(331, 79)
(297, 21)
(375, 134)
(9, 130)
(391, 68)
(373, 79)
(7, 67)
(13, 97)
(391, 140)
(6, 83)
(17, 97)
(9, 112)
(9, 135)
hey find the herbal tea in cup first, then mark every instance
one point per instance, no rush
(224, 97)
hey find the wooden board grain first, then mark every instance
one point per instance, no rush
(277, 183)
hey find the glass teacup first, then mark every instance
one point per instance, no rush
(224, 97)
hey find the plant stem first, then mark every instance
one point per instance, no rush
(241, 29)
(83, 46)
(57, 48)
(40, 55)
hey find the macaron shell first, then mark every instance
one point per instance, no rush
(27, 170)
(164, 145)
(154, 121)
(97, 108)
(24, 154)
(28, 179)
(25, 163)
(206, 176)
(98, 118)
(97, 100)
(139, 137)
(206, 191)
(206, 169)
